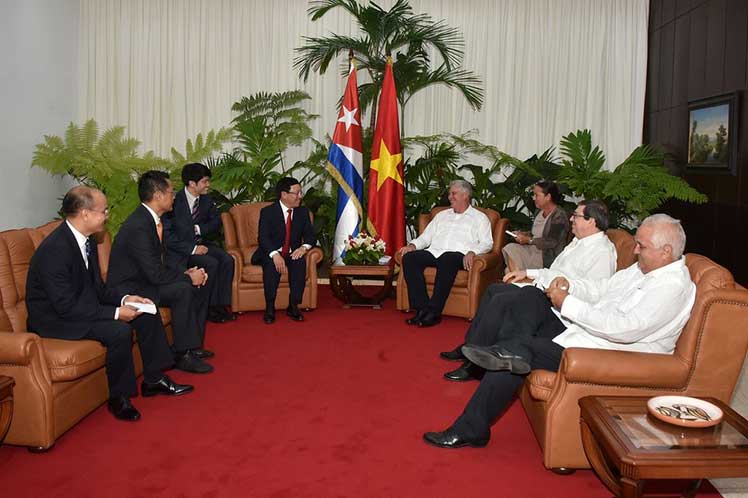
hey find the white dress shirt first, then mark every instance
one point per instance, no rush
(630, 311)
(156, 218)
(81, 239)
(593, 257)
(461, 232)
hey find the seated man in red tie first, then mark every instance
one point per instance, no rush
(285, 235)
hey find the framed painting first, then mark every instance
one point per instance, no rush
(712, 133)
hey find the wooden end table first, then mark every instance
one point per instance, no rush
(342, 277)
(6, 405)
(626, 446)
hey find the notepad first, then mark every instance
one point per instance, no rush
(143, 307)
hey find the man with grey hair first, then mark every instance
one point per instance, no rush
(449, 243)
(641, 308)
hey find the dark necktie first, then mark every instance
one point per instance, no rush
(88, 253)
(287, 241)
(195, 206)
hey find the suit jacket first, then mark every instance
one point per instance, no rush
(272, 231)
(137, 264)
(63, 298)
(179, 227)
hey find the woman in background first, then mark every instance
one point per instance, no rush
(550, 231)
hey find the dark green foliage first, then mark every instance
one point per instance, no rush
(632, 191)
(111, 162)
(398, 31)
(265, 126)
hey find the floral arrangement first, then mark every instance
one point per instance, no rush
(363, 249)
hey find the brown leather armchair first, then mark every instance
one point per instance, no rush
(707, 361)
(240, 227)
(58, 382)
(468, 287)
(624, 243)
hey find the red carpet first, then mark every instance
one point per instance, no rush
(334, 407)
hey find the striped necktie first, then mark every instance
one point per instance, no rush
(195, 207)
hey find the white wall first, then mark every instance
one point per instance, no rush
(38, 96)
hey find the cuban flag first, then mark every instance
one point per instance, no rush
(345, 164)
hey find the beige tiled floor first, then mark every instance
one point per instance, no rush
(736, 488)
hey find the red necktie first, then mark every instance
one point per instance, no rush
(287, 242)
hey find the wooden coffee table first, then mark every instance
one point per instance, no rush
(343, 276)
(626, 446)
(6, 405)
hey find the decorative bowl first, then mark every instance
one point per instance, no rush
(684, 411)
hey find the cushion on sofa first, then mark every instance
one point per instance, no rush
(70, 360)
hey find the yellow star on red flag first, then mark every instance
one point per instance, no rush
(386, 165)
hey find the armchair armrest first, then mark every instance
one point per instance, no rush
(18, 348)
(398, 259)
(314, 256)
(485, 262)
(623, 368)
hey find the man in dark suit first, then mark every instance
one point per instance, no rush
(138, 265)
(66, 299)
(194, 218)
(283, 227)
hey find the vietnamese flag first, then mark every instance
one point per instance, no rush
(386, 209)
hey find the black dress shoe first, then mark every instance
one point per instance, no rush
(225, 313)
(454, 355)
(202, 353)
(464, 373)
(269, 316)
(413, 320)
(164, 386)
(493, 358)
(122, 409)
(215, 316)
(429, 319)
(188, 362)
(294, 313)
(450, 439)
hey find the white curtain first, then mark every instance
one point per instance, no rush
(169, 69)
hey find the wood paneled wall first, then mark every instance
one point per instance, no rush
(698, 49)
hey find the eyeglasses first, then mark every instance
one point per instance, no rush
(299, 193)
(577, 215)
(105, 212)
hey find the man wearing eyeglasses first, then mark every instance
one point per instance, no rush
(641, 308)
(66, 299)
(138, 265)
(590, 255)
(285, 236)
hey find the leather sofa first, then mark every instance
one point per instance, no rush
(58, 382)
(707, 361)
(468, 286)
(240, 228)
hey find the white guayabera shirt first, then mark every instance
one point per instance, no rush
(593, 257)
(461, 232)
(630, 311)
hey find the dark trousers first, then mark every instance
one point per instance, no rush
(296, 269)
(220, 268)
(509, 309)
(447, 265)
(189, 311)
(116, 337)
(533, 341)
